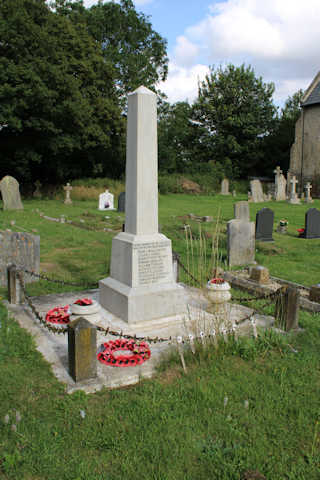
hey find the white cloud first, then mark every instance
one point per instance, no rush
(182, 83)
(185, 52)
(279, 38)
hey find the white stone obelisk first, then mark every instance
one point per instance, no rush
(141, 286)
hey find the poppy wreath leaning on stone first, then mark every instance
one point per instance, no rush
(139, 353)
(61, 315)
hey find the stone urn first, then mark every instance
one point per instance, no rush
(218, 291)
(91, 312)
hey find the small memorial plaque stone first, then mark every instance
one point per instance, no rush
(312, 224)
(264, 225)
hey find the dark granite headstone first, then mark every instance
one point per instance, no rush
(21, 249)
(312, 224)
(122, 202)
(10, 194)
(264, 225)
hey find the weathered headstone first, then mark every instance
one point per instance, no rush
(293, 194)
(264, 225)
(256, 191)
(241, 211)
(312, 224)
(287, 309)
(67, 188)
(240, 242)
(122, 202)
(225, 187)
(10, 194)
(106, 201)
(308, 198)
(21, 249)
(280, 185)
(37, 193)
(141, 286)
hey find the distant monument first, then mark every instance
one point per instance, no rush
(280, 185)
(10, 194)
(305, 152)
(67, 188)
(225, 187)
(141, 286)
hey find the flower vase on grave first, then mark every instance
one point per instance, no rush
(218, 291)
(86, 308)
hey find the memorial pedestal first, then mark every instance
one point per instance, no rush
(141, 286)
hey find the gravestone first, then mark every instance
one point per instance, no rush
(260, 274)
(293, 194)
(280, 185)
(312, 224)
(37, 192)
(225, 187)
(122, 202)
(141, 286)
(240, 242)
(21, 249)
(256, 191)
(106, 201)
(241, 211)
(264, 225)
(67, 188)
(10, 194)
(308, 198)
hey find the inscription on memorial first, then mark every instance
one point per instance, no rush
(153, 264)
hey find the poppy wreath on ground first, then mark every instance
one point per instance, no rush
(139, 353)
(59, 315)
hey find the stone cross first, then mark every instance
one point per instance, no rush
(277, 171)
(308, 187)
(293, 195)
(67, 189)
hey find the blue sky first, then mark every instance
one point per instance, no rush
(279, 38)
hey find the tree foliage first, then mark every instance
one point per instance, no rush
(127, 39)
(58, 105)
(236, 109)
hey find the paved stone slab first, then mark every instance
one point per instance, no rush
(54, 347)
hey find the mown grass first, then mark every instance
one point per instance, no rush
(176, 426)
(238, 410)
(81, 252)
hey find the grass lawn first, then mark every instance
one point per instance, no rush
(243, 410)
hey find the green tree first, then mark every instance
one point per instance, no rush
(128, 41)
(236, 109)
(59, 109)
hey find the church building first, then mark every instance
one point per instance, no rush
(305, 152)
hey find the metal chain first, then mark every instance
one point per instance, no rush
(47, 325)
(60, 282)
(187, 272)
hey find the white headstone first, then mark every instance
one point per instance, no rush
(293, 195)
(106, 201)
(141, 286)
(308, 198)
(280, 188)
